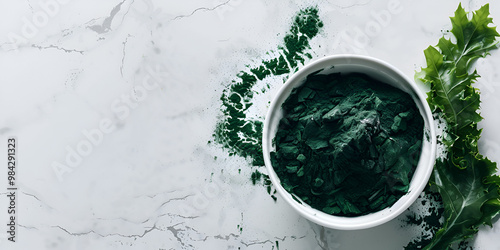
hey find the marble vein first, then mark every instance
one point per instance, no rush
(174, 199)
(168, 214)
(202, 8)
(353, 5)
(110, 235)
(28, 227)
(178, 215)
(154, 195)
(78, 234)
(36, 198)
(175, 233)
(58, 48)
(145, 232)
(321, 239)
(226, 237)
(106, 24)
(257, 243)
(124, 53)
(124, 220)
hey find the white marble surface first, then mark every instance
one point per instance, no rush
(144, 78)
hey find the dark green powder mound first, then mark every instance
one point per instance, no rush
(240, 134)
(348, 144)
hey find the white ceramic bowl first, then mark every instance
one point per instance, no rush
(376, 69)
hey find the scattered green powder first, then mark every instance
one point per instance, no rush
(235, 131)
(428, 221)
(277, 244)
(348, 144)
(256, 176)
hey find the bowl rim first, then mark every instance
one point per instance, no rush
(380, 217)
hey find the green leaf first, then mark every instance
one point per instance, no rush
(465, 179)
(449, 64)
(469, 199)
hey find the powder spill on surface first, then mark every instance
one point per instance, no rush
(424, 217)
(236, 131)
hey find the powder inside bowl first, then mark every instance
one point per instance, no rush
(347, 144)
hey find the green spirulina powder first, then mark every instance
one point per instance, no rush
(237, 132)
(348, 144)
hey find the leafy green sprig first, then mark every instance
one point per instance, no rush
(465, 179)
